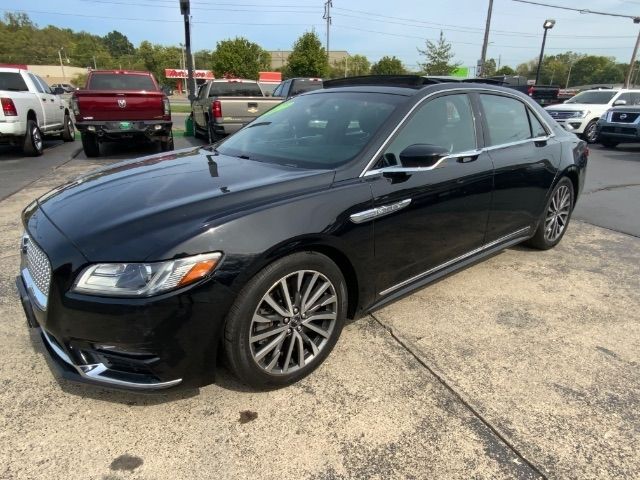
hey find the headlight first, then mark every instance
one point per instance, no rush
(582, 113)
(73, 103)
(144, 279)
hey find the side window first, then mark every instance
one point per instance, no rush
(285, 88)
(203, 91)
(45, 85)
(536, 127)
(635, 98)
(278, 91)
(36, 83)
(444, 121)
(624, 96)
(506, 119)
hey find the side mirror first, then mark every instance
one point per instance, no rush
(58, 91)
(422, 155)
(619, 102)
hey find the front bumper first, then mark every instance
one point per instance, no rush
(116, 130)
(573, 125)
(619, 132)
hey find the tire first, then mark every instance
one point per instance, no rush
(90, 145)
(212, 136)
(196, 133)
(68, 133)
(260, 366)
(33, 145)
(590, 133)
(607, 143)
(167, 145)
(556, 216)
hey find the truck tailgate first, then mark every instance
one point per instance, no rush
(109, 105)
(244, 109)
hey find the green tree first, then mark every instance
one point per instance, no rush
(438, 57)
(505, 70)
(388, 66)
(355, 65)
(308, 58)
(489, 68)
(117, 44)
(240, 58)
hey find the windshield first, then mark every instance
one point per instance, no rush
(313, 131)
(120, 81)
(593, 97)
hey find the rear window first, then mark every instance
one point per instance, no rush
(235, 89)
(12, 82)
(301, 86)
(117, 81)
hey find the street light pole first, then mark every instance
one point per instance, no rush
(627, 79)
(547, 25)
(185, 11)
(61, 64)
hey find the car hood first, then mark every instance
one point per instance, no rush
(573, 107)
(139, 209)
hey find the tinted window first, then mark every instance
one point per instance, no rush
(278, 91)
(445, 121)
(537, 129)
(118, 81)
(594, 97)
(36, 83)
(45, 85)
(506, 119)
(632, 98)
(301, 86)
(314, 131)
(268, 88)
(12, 82)
(234, 89)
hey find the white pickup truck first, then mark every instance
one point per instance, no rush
(30, 111)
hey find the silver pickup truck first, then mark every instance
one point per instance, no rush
(225, 106)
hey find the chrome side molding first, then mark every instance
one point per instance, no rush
(372, 213)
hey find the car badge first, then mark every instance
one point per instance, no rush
(623, 116)
(122, 103)
(253, 110)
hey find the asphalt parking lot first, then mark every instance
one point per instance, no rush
(523, 366)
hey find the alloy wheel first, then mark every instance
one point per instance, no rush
(591, 132)
(37, 138)
(293, 322)
(72, 131)
(557, 214)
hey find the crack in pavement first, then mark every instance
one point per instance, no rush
(611, 187)
(460, 398)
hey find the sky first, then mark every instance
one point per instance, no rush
(370, 27)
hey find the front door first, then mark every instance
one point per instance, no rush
(427, 218)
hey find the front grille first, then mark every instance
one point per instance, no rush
(624, 117)
(563, 114)
(37, 264)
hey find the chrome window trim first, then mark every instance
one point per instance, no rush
(448, 263)
(470, 153)
(466, 90)
(96, 372)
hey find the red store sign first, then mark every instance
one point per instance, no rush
(179, 73)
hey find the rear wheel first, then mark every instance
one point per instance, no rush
(213, 137)
(90, 145)
(167, 145)
(33, 143)
(68, 133)
(590, 133)
(556, 217)
(607, 143)
(286, 320)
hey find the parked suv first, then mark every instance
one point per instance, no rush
(580, 114)
(619, 125)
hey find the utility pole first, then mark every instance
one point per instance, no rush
(627, 79)
(327, 16)
(61, 64)
(485, 43)
(95, 65)
(185, 9)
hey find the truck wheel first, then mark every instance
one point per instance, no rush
(607, 143)
(213, 136)
(33, 143)
(90, 145)
(590, 134)
(196, 133)
(167, 145)
(68, 133)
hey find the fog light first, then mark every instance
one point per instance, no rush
(91, 128)
(158, 127)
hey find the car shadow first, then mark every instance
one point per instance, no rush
(14, 152)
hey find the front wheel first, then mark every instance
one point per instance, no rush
(590, 133)
(68, 133)
(556, 217)
(286, 320)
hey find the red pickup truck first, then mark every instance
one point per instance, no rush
(121, 106)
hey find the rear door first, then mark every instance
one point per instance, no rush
(426, 220)
(54, 107)
(525, 156)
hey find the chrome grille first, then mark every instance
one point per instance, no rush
(37, 264)
(563, 114)
(624, 117)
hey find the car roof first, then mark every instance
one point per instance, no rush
(421, 90)
(11, 70)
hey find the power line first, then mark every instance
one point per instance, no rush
(580, 10)
(241, 9)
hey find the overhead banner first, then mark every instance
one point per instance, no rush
(180, 73)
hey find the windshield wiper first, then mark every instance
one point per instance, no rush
(259, 124)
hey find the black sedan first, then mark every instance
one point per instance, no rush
(259, 247)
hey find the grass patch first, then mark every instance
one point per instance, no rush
(180, 108)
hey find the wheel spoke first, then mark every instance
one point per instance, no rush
(287, 360)
(320, 316)
(273, 304)
(312, 282)
(320, 290)
(310, 342)
(269, 332)
(317, 329)
(300, 350)
(276, 355)
(287, 297)
(270, 346)
(257, 318)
